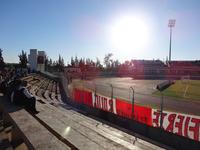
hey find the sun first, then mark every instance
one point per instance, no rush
(129, 33)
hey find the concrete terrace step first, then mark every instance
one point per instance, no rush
(59, 98)
(46, 95)
(27, 127)
(74, 113)
(42, 91)
(70, 130)
(87, 133)
(5, 143)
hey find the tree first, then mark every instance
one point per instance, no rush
(81, 64)
(76, 61)
(54, 63)
(2, 64)
(116, 63)
(50, 62)
(88, 62)
(23, 59)
(72, 62)
(60, 64)
(46, 64)
(98, 64)
(108, 60)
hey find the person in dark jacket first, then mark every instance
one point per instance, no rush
(21, 96)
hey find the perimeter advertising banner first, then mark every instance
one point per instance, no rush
(141, 113)
(83, 97)
(177, 123)
(103, 102)
(117, 106)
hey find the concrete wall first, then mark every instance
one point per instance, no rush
(41, 66)
(33, 59)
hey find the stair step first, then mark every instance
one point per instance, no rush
(5, 145)
(8, 129)
(21, 147)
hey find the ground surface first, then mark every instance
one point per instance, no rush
(143, 93)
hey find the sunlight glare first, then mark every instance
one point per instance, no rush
(129, 33)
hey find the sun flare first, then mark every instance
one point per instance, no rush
(129, 33)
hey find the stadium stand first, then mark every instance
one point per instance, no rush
(150, 69)
(44, 87)
(25, 132)
(58, 121)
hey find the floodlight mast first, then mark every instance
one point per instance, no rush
(171, 25)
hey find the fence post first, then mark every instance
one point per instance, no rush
(161, 111)
(111, 91)
(82, 95)
(95, 89)
(133, 99)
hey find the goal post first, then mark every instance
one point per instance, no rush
(185, 79)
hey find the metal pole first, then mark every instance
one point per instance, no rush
(111, 91)
(95, 89)
(133, 99)
(82, 97)
(171, 25)
(161, 111)
(170, 44)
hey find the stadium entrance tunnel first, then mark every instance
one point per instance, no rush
(164, 85)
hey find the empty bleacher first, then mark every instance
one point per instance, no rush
(45, 88)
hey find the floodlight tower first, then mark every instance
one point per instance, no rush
(171, 25)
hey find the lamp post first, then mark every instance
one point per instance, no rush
(171, 24)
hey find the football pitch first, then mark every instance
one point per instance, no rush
(183, 90)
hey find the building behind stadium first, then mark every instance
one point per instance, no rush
(36, 60)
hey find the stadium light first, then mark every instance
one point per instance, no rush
(171, 24)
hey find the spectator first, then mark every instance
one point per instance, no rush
(1, 77)
(21, 96)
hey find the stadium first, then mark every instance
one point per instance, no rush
(132, 100)
(100, 75)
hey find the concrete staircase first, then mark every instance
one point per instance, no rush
(5, 138)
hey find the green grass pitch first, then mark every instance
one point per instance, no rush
(183, 90)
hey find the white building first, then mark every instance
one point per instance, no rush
(36, 60)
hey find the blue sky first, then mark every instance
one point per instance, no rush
(81, 27)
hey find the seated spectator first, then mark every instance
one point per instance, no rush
(21, 96)
(3, 86)
(1, 77)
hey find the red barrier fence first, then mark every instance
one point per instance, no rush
(84, 97)
(116, 106)
(104, 103)
(141, 114)
(177, 123)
